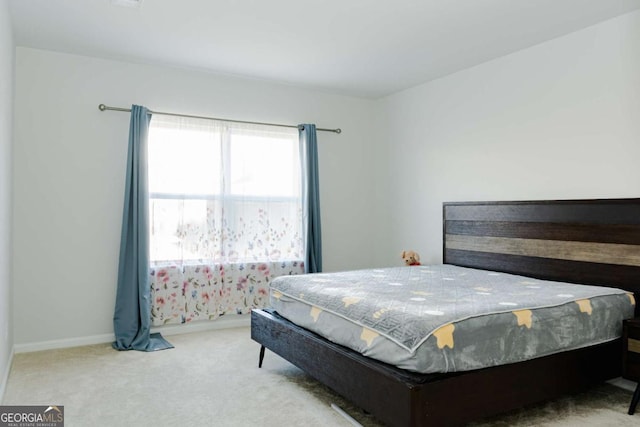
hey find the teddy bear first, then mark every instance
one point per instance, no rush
(410, 258)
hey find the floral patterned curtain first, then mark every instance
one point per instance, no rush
(186, 293)
(225, 215)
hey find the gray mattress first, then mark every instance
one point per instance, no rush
(445, 318)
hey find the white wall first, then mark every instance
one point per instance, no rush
(70, 166)
(560, 120)
(6, 137)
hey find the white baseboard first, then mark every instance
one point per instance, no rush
(63, 343)
(5, 376)
(225, 322)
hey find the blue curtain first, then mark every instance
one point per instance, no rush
(132, 314)
(311, 198)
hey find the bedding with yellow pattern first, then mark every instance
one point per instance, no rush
(446, 318)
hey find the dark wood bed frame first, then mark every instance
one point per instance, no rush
(593, 242)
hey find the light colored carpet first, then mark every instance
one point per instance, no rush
(212, 379)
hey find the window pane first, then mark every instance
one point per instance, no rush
(223, 192)
(182, 229)
(262, 230)
(232, 230)
(184, 161)
(264, 165)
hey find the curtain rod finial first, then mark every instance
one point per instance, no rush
(338, 130)
(102, 107)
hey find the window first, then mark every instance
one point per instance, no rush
(222, 192)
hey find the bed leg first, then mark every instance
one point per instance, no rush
(261, 358)
(634, 400)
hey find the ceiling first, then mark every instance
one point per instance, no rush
(365, 48)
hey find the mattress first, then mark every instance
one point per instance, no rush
(446, 318)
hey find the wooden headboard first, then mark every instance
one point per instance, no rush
(595, 242)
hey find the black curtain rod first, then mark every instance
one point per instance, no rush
(103, 107)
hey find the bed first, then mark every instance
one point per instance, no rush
(591, 242)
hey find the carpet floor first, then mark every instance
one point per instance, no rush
(212, 379)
